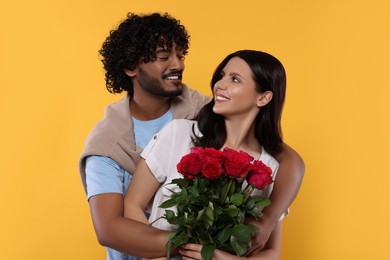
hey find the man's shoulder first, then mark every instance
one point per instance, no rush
(112, 128)
(116, 119)
(194, 95)
(188, 104)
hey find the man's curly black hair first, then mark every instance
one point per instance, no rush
(136, 40)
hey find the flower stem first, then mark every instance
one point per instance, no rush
(227, 190)
(248, 190)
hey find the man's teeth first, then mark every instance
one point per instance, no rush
(172, 77)
(221, 98)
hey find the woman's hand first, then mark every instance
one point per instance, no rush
(192, 251)
(159, 258)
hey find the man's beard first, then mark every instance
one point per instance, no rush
(153, 86)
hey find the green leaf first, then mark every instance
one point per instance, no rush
(181, 239)
(263, 203)
(241, 232)
(241, 217)
(232, 187)
(232, 211)
(203, 185)
(207, 251)
(170, 236)
(255, 212)
(224, 235)
(169, 214)
(210, 211)
(250, 203)
(182, 182)
(180, 221)
(168, 203)
(181, 197)
(237, 199)
(200, 214)
(239, 247)
(225, 189)
(203, 236)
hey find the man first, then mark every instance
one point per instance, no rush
(144, 56)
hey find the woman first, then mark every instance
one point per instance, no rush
(249, 91)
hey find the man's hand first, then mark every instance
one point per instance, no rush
(260, 238)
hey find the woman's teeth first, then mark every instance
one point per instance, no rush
(221, 98)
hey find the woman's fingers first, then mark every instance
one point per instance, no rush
(191, 251)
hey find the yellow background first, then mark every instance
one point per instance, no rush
(336, 54)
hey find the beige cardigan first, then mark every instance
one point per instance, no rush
(113, 136)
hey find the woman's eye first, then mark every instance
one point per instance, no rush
(234, 79)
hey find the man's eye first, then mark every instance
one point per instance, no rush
(181, 57)
(236, 80)
(162, 57)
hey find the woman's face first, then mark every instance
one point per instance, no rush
(235, 93)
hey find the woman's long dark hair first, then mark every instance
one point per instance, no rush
(269, 75)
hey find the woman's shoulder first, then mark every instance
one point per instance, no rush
(183, 123)
(269, 160)
(179, 127)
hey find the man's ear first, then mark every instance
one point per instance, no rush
(264, 98)
(130, 73)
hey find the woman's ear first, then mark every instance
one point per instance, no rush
(264, 98)
(130, 73)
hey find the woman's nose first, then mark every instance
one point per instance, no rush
(220, 84)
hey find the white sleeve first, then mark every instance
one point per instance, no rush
(167, 147)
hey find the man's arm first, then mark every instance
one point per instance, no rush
(106, 181)
(123, 234)
(287, 183)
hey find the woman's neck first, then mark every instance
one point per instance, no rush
(241, 136)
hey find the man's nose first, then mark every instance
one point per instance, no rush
(176, 63)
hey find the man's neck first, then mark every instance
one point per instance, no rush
(145, 109)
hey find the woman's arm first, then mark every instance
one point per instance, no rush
(286, 187)
(140, 192)
(271, 250)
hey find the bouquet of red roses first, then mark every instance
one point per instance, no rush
(212, 204)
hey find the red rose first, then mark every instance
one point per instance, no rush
(237, 164)
(260, 175)
(196, 149)
(211, 154)
(190, 165)
(211, 170)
